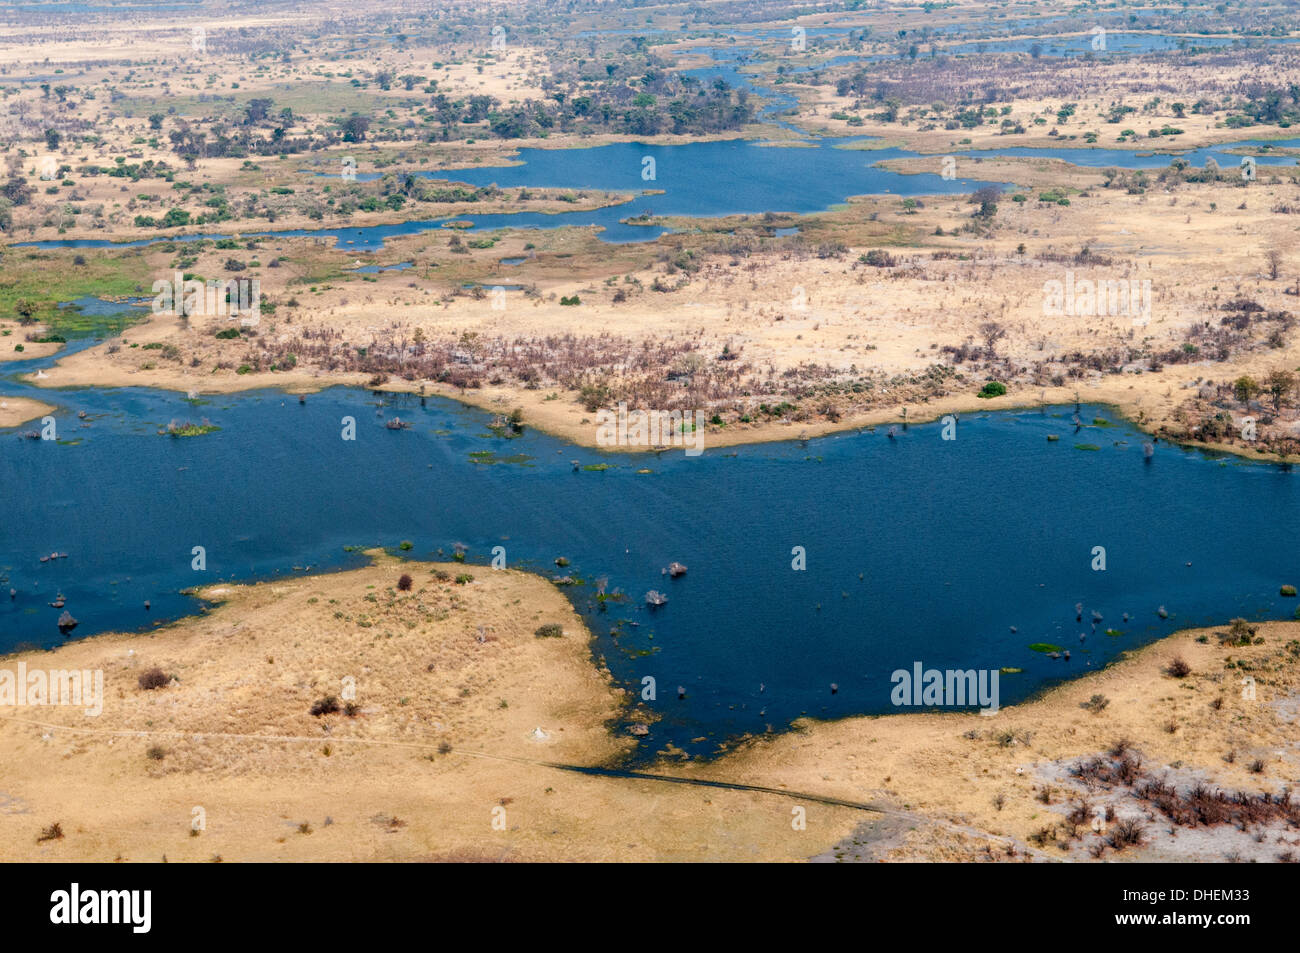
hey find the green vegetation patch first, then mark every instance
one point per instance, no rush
(489, 458)
(27, 291)
(190, 430)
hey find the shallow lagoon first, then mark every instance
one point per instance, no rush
(917, 548)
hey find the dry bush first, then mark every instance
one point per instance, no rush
(53, 832)
(1127, 833)
(325, 706)
(153, 678)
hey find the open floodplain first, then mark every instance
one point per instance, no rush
(696, 432)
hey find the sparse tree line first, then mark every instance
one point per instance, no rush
(599, 371)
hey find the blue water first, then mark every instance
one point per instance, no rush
(103, 307)
(706, 179)
(709, 179)
(701, 179)
(376, 269)
(918, 549)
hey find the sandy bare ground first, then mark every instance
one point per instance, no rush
(15, 411)
(16, 336)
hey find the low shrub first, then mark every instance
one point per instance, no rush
(152, 678)
(53, 832)
(325, 706)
